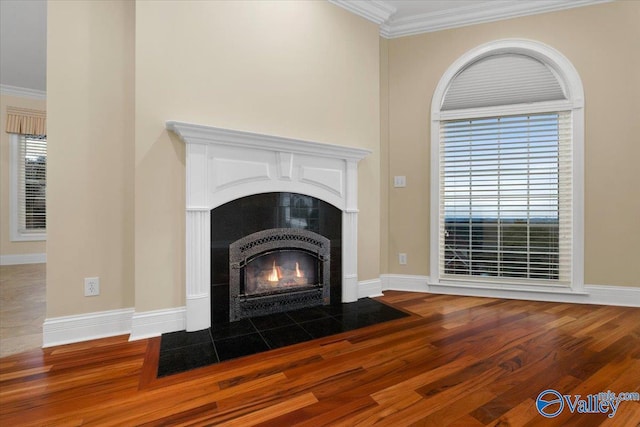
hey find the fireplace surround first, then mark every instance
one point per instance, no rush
(223, 165)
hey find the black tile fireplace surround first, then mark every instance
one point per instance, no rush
(259, 212)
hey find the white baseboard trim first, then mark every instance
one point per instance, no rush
(404, 282)
(370, 288)
(84, 327)
(148, 324)
(102, 324)
(592, 294)
(23, 259)
(625, 296)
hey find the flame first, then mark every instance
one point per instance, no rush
(273, 276)
(298, 272)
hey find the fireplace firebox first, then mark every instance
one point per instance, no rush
(276, 270)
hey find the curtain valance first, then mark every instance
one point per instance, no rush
(26, 122)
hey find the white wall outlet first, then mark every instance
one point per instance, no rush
(402, 258)
(399, 181)
(91, 286)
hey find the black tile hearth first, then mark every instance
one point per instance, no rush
(276, 320)
(307, 314)
(232, 329)
(182, 351)
(243, 345)
(174, 361)
(323, 327)
(176, 340)
(285, 335)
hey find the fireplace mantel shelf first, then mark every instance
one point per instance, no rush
(202, 134)
(223, 165)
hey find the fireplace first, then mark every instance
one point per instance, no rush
(278, 270)
(284, 227)
(224, 165)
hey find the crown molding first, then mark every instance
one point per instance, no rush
(381, 12)
(475, 14)
(22, 92)
(377, 11)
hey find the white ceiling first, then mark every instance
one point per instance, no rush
(23, 44)
(23, 27)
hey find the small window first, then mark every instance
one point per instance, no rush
(28, 187)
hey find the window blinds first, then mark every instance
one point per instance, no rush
(32, 169)
(505, 205)
(504, 79)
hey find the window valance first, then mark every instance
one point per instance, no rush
(26, 122)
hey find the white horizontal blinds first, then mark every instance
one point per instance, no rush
(32, 184)
(503, 79)
(505, 205)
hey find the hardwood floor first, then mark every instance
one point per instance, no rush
(459, 361)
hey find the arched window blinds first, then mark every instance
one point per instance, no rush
(503, 79)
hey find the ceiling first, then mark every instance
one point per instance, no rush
(23, 28)
(23, 44)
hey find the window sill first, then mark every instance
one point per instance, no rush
(509, 287)
(40, 237)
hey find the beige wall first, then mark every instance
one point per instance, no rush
(602, 43)
(304, 69)
(91, 147)
(7, 247)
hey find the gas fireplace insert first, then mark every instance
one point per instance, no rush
(276, 270)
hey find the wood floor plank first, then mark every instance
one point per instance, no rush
(459, 361)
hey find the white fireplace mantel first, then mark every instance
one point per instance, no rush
(223, 165)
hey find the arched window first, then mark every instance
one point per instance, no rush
(507, 170)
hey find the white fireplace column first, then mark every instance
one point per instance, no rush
(198, 271)
(223, 165)
(350, 235)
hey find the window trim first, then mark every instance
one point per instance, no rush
(14, 156)
(572, 84)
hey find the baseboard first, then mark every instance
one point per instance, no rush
(625, 296)
(370, 288)
(154, 323)
(592, 294)
(404, 282)
(23, 259)
(84, 327)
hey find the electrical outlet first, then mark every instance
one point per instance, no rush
(91, 286)
(402, 259)
(399, 181)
